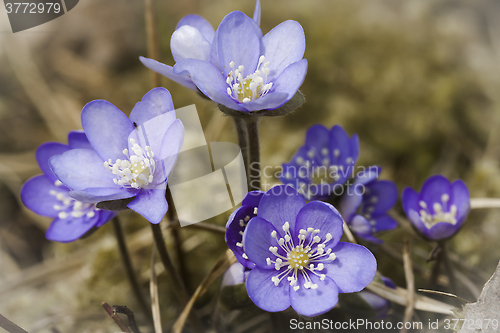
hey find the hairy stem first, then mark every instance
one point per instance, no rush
(254, 153)
(436, 268)
(241, 130)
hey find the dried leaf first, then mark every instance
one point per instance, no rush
(222, 264)
(399, 295)
(484, 315)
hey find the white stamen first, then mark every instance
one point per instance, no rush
(252, 86)
(137, 170)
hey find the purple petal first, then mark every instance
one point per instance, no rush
(237, 41)
(290, 79)
(167, 71)
(353, 269)
(355, 147)
(107, 129)
(270, 101)
(317, 136)
(154, 115)
(432, 190)
(70, 229)
(461, 198)
(209, 80)
(386, 193)
(151, 204)
(313, 302)
(155, 103)
(78, 139)
(167, 156)
(384, 222)
(81, 168)
(441, 230)
(188, 42)
(279, 205)
(322, 216)
(340, 140)
(233, 235)
(256, 12)
(264, 293)
(35, 195)
(214, 52)
(104, 216)
(98, 194)
(371, 238)
(409, 200)
(44, 152)
(257, 240)
(282, 46)
(360, 225)
(368, 175)
(349, 204)
(199, 23)
(252, 198)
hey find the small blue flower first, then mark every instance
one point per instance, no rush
(298, 258)
(237, 223)
(323, 163)
(380, 305)
(440, 209)
(242, 69)
(192, 39)
(47, 196)
(364, 205)
(132, 157)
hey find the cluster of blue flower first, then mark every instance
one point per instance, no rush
(288, 238)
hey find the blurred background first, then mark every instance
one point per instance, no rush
(418, 81)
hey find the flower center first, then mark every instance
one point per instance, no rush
(300, 258)
(251, 87)
(135, 171)
(69, 207)
(442, 213)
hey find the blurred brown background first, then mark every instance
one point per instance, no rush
(417, 80)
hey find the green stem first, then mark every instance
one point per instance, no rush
(253, 152)
(129, 270)
(436, 269)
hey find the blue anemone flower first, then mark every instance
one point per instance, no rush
(440, 208)
(235, 226)
(364, 205)
(241, 69)
(192, 39)
(299, 261)
(323, 163)
(132, 157)
(47, 196)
